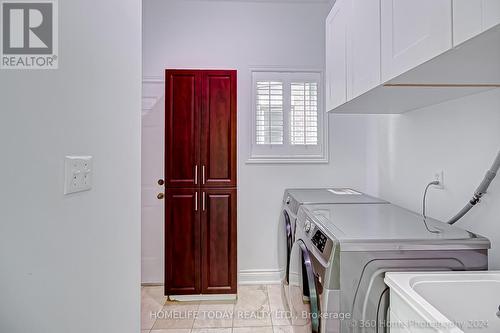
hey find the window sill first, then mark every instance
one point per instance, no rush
(286, 160)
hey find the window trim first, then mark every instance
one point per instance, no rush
(323, 126)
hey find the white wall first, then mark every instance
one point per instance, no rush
(241, 35)
(461, 137)
(71, 263)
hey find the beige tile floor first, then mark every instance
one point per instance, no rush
(258, 309)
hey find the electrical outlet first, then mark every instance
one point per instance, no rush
(78, 174)
(439, 176)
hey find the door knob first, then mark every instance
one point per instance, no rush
(161, 182)
(160, 196)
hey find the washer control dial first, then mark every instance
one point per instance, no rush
(307, 226)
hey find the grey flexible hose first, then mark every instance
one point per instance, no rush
(480, 191)
(461, 213)
(424, 214)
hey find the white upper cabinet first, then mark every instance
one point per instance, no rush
(491, 13)
(392, 56)
(467, 19)
(363, 52)
(336, 49)
(413, 32)
(471, 17)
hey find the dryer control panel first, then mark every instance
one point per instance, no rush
(316, 238)
(319, 240)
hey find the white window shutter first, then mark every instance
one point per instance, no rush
(269, 113)
(304, 113)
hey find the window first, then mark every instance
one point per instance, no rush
(269, 113)
(304, 113)
(287, 119)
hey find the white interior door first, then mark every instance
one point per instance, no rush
(413, 32)
(153, 138)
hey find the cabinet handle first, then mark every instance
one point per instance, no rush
(203, 174)
(196, 202)
(203, 201)
(196, 174)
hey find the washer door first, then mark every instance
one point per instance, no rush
(303, 299)
(285, 240)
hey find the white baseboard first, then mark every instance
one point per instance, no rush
(245, 277)
(259, 276)
(152, 284)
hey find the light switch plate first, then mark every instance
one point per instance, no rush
(78, 174)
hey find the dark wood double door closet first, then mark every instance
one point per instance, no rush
(200, 180)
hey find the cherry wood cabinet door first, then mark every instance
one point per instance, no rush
(182, 245)
(218, 235)
(200, 180)
(218, 128)
(182, 122)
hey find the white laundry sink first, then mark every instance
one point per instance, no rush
(451, 302)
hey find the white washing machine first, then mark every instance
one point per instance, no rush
(341, 253)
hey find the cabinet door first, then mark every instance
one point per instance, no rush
(471, 17)
(491, 13)
(413, 32)
(363, 58)
(218, 129)
(336, 59)
(182, 242)
(467, 19)
(182, 121)
(218, 229)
